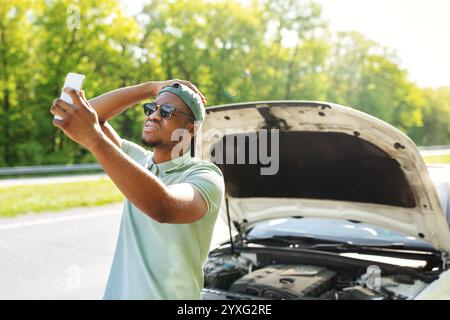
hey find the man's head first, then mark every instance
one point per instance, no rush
(188, 113)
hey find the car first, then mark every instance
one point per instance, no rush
(440, 175)
(322, 201)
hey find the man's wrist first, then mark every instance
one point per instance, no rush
(150, 88)
(98, 142)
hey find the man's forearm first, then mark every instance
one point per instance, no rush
(138, 185)
(116, 101)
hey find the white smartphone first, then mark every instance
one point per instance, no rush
(74, 81)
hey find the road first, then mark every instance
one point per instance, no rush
(62, 255)
(67, 255)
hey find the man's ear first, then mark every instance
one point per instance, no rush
(192, 128)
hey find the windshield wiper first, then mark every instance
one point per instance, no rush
(349, 245)
(268, 240)
(310, 242)
(307, 241)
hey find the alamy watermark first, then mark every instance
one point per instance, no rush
(73, 21)
(73, 281)
(372, 277)
(235, 146)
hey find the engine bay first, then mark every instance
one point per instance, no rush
(249, 275)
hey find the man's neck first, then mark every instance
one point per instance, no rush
(162, 154)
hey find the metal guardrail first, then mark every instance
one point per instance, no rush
(440, 152)
(434, 151)
(63, 168)
(428, 148)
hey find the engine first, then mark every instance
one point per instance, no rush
(237, 277)
(285, 282)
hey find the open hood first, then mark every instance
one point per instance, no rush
(315, 159)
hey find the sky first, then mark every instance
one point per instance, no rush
(417, 29)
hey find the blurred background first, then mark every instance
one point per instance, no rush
(387, 58)
(233, 50)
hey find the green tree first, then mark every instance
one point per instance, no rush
(367, 76)
(92, 37)
(436, 126)
(210, 43)
(233, 50)
(17, 75)
(298, 43)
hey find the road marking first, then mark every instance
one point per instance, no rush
(16, 225)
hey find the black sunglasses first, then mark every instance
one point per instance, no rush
(165, 110)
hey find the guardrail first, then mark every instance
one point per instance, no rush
(59, 168)
(434, 148)
(434, 151)
(65, 168)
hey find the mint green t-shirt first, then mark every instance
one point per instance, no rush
(156, 260)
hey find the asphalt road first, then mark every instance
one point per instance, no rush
(63, 255)
(67, 255)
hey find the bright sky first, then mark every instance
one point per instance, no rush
(417, 29)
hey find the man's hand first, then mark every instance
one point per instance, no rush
(79, 120)
(158, 85)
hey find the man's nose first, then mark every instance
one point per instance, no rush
(155, 116)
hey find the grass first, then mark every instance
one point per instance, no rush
(17, 200)
(444, 158)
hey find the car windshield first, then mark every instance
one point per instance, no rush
(332, 230)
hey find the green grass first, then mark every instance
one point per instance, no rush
(58, 196)
(445, 158)
(16, 200)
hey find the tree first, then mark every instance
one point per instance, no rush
(16, 79)
(210, 43)
(366, 76)
(436, 126)
(298, 43)
(232, 50)
(98, 41)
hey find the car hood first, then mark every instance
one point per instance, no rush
(316, 159)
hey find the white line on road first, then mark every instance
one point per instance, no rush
(54, 220)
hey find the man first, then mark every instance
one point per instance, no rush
(172, 199)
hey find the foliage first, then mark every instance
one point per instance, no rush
(232, 50)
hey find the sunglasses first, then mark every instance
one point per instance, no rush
(166, 110)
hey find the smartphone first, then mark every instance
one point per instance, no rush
(74, 81)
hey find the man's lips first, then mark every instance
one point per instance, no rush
(151, 126)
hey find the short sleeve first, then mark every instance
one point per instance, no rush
(208, 180)
(134, 150)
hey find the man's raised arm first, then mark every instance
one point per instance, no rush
(114, 102)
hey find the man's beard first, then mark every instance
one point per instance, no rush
(155, 144)
(150, 144)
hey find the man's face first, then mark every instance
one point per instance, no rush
(158, 131)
